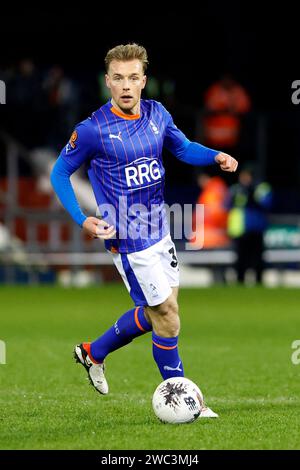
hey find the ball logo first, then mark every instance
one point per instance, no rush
(191, 403)
(143, 172)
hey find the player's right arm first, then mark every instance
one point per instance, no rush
(80, 148)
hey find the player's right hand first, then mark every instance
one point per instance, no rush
(97, 228)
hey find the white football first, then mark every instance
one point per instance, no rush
(177, 400)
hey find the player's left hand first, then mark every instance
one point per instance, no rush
(226, 162)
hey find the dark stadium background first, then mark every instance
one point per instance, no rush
(256, 44)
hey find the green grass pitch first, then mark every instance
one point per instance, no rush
(235, 344)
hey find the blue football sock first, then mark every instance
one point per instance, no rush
(165, 353)
(131, 325)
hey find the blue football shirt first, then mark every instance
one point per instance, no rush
(123, 156)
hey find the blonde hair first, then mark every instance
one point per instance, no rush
(124, 53)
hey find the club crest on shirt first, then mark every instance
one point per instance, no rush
(154, 127)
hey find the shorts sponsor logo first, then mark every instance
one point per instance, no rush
(153, 290)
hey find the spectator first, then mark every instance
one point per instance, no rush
(213, 196)
(24, 99)
(25, 86)
(62, 103)
(225, 102)
(249, 201)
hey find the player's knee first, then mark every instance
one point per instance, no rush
(169, 308)
(172, 326)
(165, 318)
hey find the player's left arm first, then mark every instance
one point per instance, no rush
(193, 152)
(199, 155)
